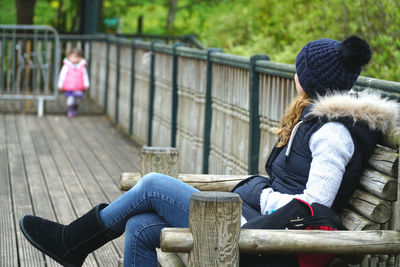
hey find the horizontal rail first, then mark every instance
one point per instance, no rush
(29, 97)
(28, 27)
(189, 38)
(203, 182)
(295, 241)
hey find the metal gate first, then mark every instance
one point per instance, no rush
(29, 61)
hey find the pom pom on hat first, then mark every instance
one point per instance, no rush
(354, 53)
(327, 65)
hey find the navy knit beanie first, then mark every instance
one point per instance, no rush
(327, 65)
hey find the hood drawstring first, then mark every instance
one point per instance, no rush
(294, 131)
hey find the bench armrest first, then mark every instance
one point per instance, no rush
(203, 182)
(296, 241)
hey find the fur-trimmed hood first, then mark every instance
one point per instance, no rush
(367, 107)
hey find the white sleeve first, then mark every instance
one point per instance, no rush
(61, 76)
(331, 148)
(86, 79)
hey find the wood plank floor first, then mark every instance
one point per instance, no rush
(58, 168)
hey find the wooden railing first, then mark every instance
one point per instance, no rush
(217, 109)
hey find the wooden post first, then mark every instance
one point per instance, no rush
(159, 159)
(214, 221)
(396, 213)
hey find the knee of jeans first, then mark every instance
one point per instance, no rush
(152, 179)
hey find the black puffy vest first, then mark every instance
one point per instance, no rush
(290, 174)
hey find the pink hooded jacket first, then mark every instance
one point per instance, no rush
(73, 77)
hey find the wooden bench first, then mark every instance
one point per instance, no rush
(373, 209)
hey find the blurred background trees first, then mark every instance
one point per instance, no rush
(245, 27)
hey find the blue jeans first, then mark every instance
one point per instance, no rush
(157, 201)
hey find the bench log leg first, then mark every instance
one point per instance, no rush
(214, 222)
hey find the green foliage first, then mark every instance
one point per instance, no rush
(45, 12)
(8, 12)
(246, 27)
(281, 28)
(155, 16)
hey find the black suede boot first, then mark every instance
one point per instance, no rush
(69, 244)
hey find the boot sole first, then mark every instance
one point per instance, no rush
(39, 247)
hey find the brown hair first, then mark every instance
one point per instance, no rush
(76, 51)
(291, 117)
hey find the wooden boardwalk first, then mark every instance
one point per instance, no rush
(58, 168)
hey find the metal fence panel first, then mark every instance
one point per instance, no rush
(29, 61)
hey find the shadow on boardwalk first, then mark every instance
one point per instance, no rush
(58, 168)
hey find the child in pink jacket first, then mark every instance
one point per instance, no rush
(73, 80)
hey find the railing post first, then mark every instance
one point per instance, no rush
(208, 110)
(214, 222)
(254, 124)
(132, 93)
(57, 58)
(117, 82)
(151, 95)
(2, 53)
(174, 115)
(90, 60)
(159, 159)
(107, 74)
(14, 63)
(45, 81)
